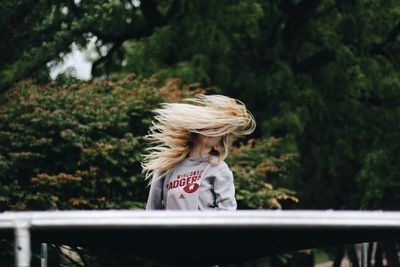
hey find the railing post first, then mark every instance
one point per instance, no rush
(22, 245)
(43, 260)
(364, 254)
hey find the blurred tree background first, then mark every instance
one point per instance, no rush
(320, 76)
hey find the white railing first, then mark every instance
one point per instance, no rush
(23, 223)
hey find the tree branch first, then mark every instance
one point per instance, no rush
(37, 58)
(104, 59)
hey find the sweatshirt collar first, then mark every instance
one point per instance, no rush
(204, 157)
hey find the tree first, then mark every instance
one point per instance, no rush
(37, 32)
(315, 72)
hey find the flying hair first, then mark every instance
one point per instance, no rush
(176, 125)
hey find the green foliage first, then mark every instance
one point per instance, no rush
(257, 166)
(78, 147)
(323, 74)
(378, 178)
(200, 46)
(36, 33)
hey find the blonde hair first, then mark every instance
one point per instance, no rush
(177, 124)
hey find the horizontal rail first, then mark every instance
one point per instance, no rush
(275, 230)
(139, 218)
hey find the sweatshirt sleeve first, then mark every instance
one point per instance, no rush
(154, 201)
(224, 190)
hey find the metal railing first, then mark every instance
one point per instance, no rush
(376, 224)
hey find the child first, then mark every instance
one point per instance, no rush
(191, 141)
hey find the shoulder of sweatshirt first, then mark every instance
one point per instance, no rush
(221, 167)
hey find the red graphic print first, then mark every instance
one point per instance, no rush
(191, 188)
(187, 181)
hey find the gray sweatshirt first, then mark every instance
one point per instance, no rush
(194, 184)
